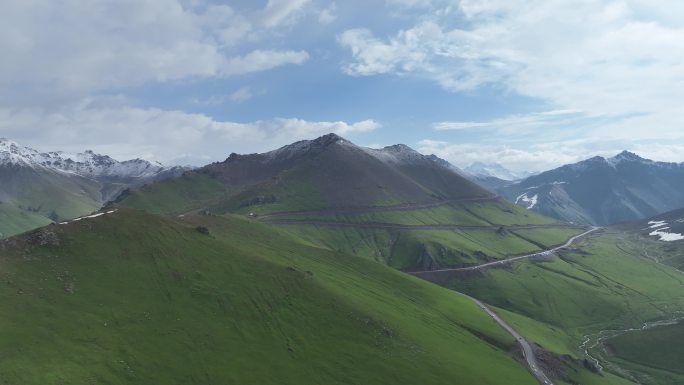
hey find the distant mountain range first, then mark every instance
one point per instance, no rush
(495, 170)
(603, 190)
(39, 188)
(288, 260)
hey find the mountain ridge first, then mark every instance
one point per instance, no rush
(87, 163)
(328, 171)
(601, 190)
(40, 188)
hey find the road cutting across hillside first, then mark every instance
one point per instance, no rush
(424, 274)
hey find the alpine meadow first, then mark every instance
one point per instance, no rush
(219, 192)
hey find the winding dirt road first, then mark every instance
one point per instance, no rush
(396, 226)
(426, 273)
(528, 352)
(375, 209)
(526, 347)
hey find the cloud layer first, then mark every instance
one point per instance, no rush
(562, 76)
(78, 47)
(171, 136)
(620, 62)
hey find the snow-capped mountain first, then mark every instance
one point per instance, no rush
(495, 170)
(603, 190)
(87, 163)
(39, 188)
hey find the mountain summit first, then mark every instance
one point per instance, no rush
(325, 172)
(603, 191)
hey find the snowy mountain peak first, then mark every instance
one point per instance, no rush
(626, 156)
(87, 163)
(398, 153)
(299, 148)
(328, 139)
(492, 170)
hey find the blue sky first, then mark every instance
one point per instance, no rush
(530, 84)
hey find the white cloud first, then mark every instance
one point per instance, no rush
(257, 61)
(409, 3)
(515, 124)
(125, 131)
(75, 47)
(464, 154)
(328, 15)
(605, 58)
(444, 126)
(374, 56)
(242, 94)
(278, 11)
(545, 155)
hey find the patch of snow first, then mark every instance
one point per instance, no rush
(659, 230)
(89, 216)
(656, 224)
(531, 201)
(665, 236)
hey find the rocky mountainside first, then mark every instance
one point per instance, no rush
(603, 190)
(325, 172)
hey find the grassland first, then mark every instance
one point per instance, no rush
(177, 195)
(502, 212)
(33, 198)
(547, 237)
(402, 249)
(419, 249)
(13, 220)
(130, 298)
(657, 352)
(428, 216)
(601, 285)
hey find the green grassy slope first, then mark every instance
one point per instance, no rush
(426, 216)
(174, 196)
(600, 287)
(657, 352)
(332, 180)
(605, 284)
(486, 213)
(14, 220)
(403, 249)
(130, 298)
(547, 237)
(32, 198)
(414, 250)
